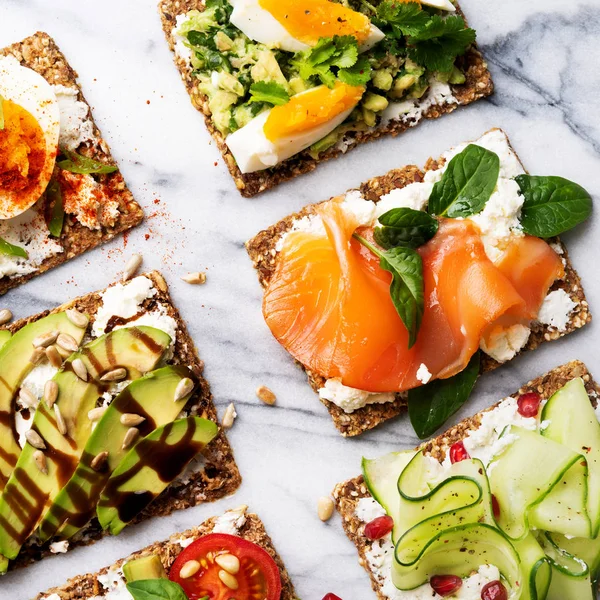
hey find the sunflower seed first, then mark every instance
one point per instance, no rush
(35, 439)
(50, 393)
(37, 356)
(229, 416)
(5, 316)
(133, 264)
(97, 413)
(266, 395)
(195, 278)
(40, 461)
(99, 461)
(60, 422)
(131, 420)
(184, 387)
(45, 340)
(54, 357)
(130, 437)
(78, 319)
(67, 342)
(27, 398)
(114, 375)
(80, 369)
(325, 508)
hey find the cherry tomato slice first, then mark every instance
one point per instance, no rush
(258, 577)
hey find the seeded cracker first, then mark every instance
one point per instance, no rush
(220, 476)
(87, 586)
(478, 85)
(261, 249)
(40, 53)
(347, 494)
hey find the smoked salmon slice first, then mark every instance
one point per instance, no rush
(328, 301)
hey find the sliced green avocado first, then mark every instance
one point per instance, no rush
(5, 335)
(30, 492)
(14, 367)
(150, 397)
(146, 567)
(147, 469)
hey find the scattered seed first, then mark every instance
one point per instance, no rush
(114, 375)
(80, 369)
(35, 439)
(133, 264)
(60, 422)
(131, 419)
(45, 340)
(5, 316)
(184, 387)
(99, 461)
(229, 563)
(64, 354)
(96, 414)
(229, 580)
(195, 278)
(325, 508)
(78, 319)
(191, 567)
(50, 392)
(130, 437)
(40, 461)
(266, 395)
(27, 398)
(54, 357)
(229, 416)
(37, 356)
(67, 342)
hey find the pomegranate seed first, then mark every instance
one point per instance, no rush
(495, 507)
(379, 527)
(529, 404)
(494, 590)
(458, 452)
(444, 585)
(331, 596)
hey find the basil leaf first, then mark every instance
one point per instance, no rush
(156, 589)
(1, 113)
(405, 227)
(12, 250)
(467, 183)
(552, 205)
(75, 163)
(431, 405)
(57, 216)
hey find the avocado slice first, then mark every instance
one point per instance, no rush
(147, 469)
(150, 397)
(14, 367)
(30, 492)
(5, 335)
(146, 567)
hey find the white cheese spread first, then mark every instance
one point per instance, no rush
(423, 374)
(52, 597)
(76, 127)
(115, 586)
(181, 50)
(504, 344)
(231, 522)
(38, 376)
(59, 547)
(368, 509)
(350, 399)
(185, 542)
(556, 309)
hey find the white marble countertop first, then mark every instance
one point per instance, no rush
(544, 59)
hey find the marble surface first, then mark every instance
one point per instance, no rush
(543, 54)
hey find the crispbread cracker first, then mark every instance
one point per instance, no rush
(220, 476)
(40, 53)
(87, 586)
(347, 494)
(478, 85)
(262, 251)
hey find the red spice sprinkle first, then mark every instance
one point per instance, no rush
(458, 452)
(444, 585)
(379, 527)
(528, 405)
(147, 236)
(494, 590)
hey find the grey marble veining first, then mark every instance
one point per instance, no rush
(544, 59)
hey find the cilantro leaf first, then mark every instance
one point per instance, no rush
(269, 91)
(404, 18)
(358, 74)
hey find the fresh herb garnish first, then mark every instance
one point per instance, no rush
(1, 113)
(269, 91)
(406, 289)
(57, 214)
(12, 250)
(467, 183)
(75, 163)
(156, 589)
(431, 405)
(552, 205)
(405, 227)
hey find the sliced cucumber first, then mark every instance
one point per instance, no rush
(535, 570)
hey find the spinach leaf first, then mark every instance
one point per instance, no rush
(1, 113)
(12, 250)
(552, 205)
(467, 183)
(269, 91)
(156, 589)
(431, 405)
(406, 289)
(405, 227)
(57, 215)
(75, 163)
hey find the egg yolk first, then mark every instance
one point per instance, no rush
(309, 20)
(311, 109)
(22, 150)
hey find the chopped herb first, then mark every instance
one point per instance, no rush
(75, 163)
(269, 91)
(12, 250)
(57, 214)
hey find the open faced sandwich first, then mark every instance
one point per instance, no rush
(60, 190)
(403, 291)
(504, 506)
(105, 420)
(285, 84)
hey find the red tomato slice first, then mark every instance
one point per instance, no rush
(258, 577)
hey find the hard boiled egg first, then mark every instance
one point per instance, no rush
(281, 132)
(28, 139)
(441, 4)
(295, 25)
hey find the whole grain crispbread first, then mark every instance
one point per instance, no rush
(263, 253)
(253, 530)
(40, 53)
(347, 494)
(220, 476)
(478, 85)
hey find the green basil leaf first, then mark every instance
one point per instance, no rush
(156, 589)
(405, 227)
(75, 163)
(1, 113)
(467, 183)
(552, 205)
(12, 250)
(431, 405)
(57, 215)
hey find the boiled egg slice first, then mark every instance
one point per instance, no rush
(29, 139)
(441, 4)
(297, 25)
(281, 132)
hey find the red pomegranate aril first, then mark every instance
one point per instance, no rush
(495, 507)
(494, 590)
(331, 596)
(379, 527)
(444, 585)
(528, 405)
(458, 452)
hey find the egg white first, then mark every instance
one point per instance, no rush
(31, 91)
(441, 4)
